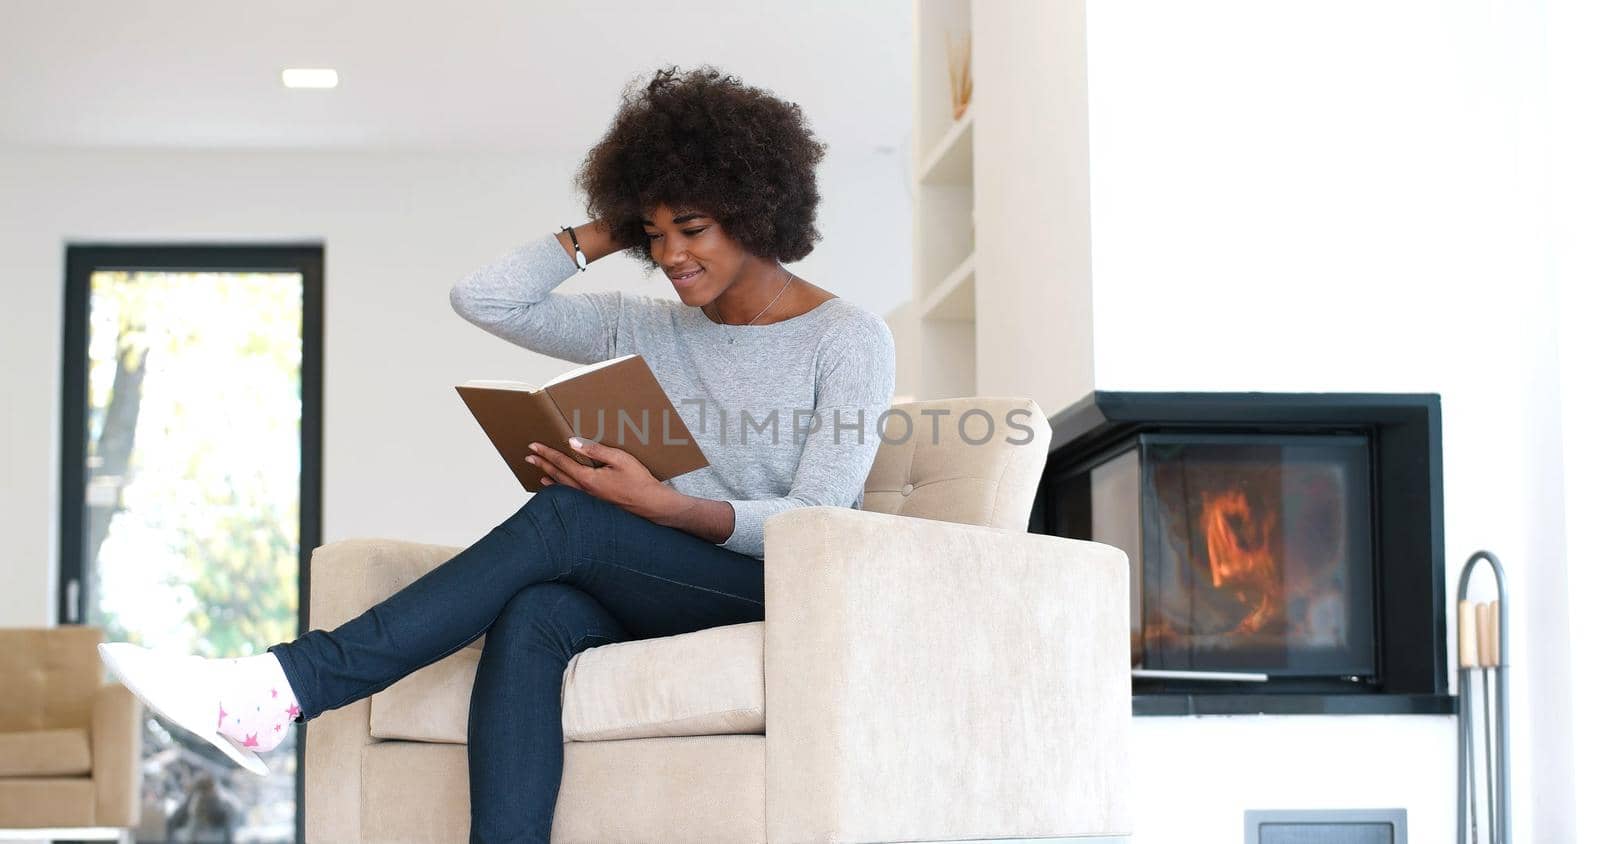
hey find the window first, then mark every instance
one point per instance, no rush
(190, 489)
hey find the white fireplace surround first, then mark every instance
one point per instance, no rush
(1297, 197)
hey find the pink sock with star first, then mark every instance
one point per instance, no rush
(255, 706)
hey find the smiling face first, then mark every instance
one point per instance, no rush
(696, 255)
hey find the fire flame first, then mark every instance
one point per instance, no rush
(1239, 544)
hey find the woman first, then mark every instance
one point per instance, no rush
(781, 382)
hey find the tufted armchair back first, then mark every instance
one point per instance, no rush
(974, 460)
(49, 677)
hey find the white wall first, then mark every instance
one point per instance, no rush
(401, 456)
(1575, 217)
(1344, 197)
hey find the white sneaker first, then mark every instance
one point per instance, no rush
(179, 689)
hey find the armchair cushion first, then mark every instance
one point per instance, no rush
(707, 682)
(44, 753)
(975, 461)
(704, 683)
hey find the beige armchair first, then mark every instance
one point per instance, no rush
(927, 671)
(69, 746)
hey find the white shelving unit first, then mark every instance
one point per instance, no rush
(943, 312)
(1001, 287)
(952, 298)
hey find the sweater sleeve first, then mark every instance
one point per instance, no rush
(513, 299)
(855, 380)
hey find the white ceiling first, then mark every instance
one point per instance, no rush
(470, 75)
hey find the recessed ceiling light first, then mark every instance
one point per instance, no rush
(310, 77)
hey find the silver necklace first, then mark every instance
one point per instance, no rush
(722, 322)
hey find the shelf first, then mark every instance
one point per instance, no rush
(954, 297)
(950, 160)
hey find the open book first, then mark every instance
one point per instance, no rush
(616, 402)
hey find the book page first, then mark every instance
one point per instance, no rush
(583, 370)
(490, 384)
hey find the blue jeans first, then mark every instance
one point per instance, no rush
(565, 573)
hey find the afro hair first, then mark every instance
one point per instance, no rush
(705, 140)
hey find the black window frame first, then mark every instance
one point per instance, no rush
(82, 261)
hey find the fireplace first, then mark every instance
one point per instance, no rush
(1285, 550)
(1255, 551)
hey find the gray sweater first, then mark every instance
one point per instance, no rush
(786, 413)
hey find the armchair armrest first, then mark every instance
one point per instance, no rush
(347, 578)
(115, 739)
(929, 680)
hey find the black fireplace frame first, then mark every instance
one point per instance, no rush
(1408, 525)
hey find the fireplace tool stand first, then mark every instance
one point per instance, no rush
(1481, 649)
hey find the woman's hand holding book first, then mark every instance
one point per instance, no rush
(619, 477)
